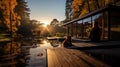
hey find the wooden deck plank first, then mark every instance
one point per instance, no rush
(52, 59)
(63, 57)
(88, 59)
(49, 59)
(75, 61)
(68, 59)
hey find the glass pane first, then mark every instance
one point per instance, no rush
(87, 27)
(102, 18)
(115, 25)
(79, 29)
(87, 19)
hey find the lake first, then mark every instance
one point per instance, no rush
(26, 53)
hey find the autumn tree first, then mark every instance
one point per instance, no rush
(9, 16)
(77, 6)
(82, 7)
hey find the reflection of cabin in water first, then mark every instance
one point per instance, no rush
(109, 21)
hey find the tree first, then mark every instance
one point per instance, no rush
(82, 7)
(68, 10)
(55, 29)
(1, 16)
(25, 29)
(3, 27)
(77, 6)
(54, 22)
(9, 16)
(23, 11)
(28, 29)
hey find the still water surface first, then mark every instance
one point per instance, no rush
(25, 54)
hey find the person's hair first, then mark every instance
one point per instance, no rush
(96, 23)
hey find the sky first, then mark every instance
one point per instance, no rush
(46, 10)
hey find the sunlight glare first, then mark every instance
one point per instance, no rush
(44, 41)
(45, 24)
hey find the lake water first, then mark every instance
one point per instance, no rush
(25, 53)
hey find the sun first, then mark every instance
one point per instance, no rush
(45, 24)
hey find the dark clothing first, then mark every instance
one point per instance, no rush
(95, 34)
(67, 42)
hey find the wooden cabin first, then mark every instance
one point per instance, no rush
(108, 19)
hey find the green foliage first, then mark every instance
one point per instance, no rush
(57, 30)
(54, 22)
(22, 9)
(25, 29)
(60, 34)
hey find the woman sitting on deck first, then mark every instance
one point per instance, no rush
(67, 42)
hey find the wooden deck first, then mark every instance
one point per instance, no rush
(63, 57)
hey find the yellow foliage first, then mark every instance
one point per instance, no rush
(81, 7)
(84, 11)
(9, 15)
(76, 4)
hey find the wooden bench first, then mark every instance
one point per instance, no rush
(63, 57)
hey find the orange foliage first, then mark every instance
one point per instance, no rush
(7, 7)
(81, 7)
(76, 4)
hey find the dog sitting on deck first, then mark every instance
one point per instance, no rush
(67, 42)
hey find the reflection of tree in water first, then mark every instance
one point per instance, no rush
(10, 48)
(11, 55)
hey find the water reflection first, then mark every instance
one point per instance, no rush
(10, 55)
(54, 43)
(25, 54)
